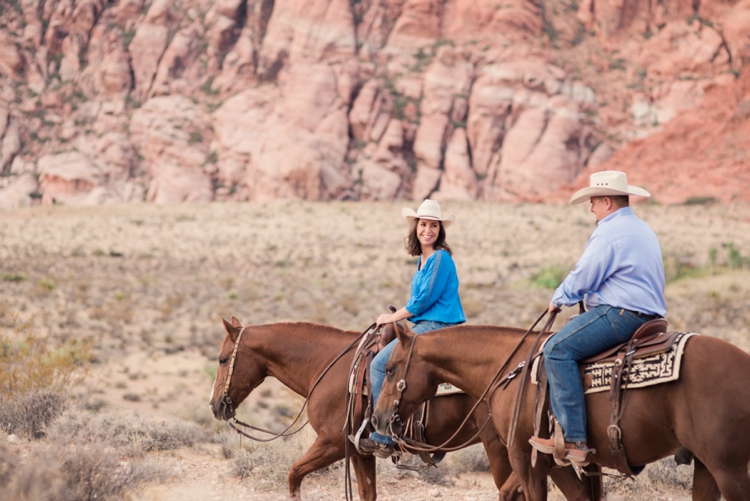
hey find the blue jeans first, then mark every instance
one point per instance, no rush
(377, 368)
(584, 336)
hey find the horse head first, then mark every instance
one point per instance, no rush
(405, 388)
(238, 374)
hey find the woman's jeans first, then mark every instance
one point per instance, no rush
(586, 335)
(377, 368)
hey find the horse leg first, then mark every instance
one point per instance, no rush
(364, 469)
(511, 489)
(704, 485)
(733, 481)
(320, 454)
(533, 480)
(573, 489)
(502, 473)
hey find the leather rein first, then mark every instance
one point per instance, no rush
(489, 391)
(228, 401)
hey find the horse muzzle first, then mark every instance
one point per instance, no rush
(390, 426)
(224, 410)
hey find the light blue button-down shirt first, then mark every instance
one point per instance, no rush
(434, 291)
(621, 267)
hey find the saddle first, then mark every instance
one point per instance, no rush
(359, 394)
(650, 339)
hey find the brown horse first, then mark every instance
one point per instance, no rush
(297, 354)
(706, 411)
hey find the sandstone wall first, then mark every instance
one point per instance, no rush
(497, 100)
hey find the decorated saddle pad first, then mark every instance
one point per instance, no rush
(644, 371)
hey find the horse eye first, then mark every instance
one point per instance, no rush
(223, 361)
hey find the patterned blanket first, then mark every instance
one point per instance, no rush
(646, 371)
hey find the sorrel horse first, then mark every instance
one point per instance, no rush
(706, 411)
(297, 354)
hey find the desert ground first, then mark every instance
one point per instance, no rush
(148, 285)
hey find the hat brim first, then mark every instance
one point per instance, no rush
(409, 216)
(585, 194)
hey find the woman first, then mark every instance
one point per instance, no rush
(433, 304)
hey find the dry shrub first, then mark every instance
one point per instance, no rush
(126, 431)
(270, 461)
(470, 459)
(28, 363)
(661, 476)
(35, 377)
(241, 465)
(201, 415)
(73, 474)
(95, 473)
(37, 479)
(30, 413)
(233, 444)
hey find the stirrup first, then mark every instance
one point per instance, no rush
(355, 438)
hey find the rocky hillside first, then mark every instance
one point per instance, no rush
(199, 100)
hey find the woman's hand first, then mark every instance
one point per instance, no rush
(384, 318)
(387, 318)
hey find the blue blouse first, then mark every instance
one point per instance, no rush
(434, 291)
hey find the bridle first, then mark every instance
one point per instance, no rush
(226, 399)
(395, 418)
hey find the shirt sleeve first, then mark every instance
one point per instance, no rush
(434, 279)
(591, 271)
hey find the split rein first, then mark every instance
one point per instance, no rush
(285, 433)
(493, 385)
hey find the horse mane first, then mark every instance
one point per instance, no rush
(317, 329)
(493, 329)
(320, 329)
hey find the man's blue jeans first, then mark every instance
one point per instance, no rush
(377, 368)
(584, 336)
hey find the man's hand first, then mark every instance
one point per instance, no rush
(553, 309)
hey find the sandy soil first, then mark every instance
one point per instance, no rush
(149, 284)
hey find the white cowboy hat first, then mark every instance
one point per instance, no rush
(429, 209)
(607, 183)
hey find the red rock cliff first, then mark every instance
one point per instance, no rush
(362, 99)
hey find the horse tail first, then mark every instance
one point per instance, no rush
(595, 484)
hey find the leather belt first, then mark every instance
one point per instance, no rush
(643, 315)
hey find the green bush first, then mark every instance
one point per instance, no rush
(549, 277)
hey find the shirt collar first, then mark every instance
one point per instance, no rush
(623, 211)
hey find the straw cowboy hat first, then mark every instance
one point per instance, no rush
(608, 183)
(429, 209)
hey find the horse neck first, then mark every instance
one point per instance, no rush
(297, 353)
(474, 356)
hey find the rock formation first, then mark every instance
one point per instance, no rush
(496, 100)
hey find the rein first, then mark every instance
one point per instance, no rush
(525, 373)
(486, 395)
(227, 400)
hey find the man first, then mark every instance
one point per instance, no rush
(621, 274)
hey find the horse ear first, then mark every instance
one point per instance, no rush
(236, 322)
(403, 333)
(232, 330)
